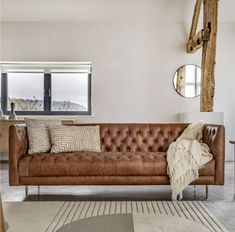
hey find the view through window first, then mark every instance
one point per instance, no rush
(69, 92)
(26, 91)
(57, 91)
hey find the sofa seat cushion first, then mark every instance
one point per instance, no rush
(94, 164)
(100, 164)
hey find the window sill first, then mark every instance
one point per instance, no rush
(22, 117)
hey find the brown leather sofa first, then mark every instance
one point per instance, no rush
(132, 154)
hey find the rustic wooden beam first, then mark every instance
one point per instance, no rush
(197, 40)
(208, 56)
(195, 20)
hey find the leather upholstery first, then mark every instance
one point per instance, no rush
(99, 164)
(139, 137)
(129, 152)
(214, 137)
(94, 164)
(18, 147)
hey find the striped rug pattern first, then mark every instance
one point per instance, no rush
(192, 210)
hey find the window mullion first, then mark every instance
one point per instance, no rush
(47, 93)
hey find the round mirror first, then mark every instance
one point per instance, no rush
(187, 81)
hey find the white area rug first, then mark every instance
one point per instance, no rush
(50, 216)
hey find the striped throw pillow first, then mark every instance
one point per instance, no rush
(75, 138)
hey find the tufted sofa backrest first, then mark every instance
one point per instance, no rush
(139, 137)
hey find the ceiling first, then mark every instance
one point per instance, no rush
(106, 10)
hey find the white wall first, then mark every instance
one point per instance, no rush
(133, 65)
(225, 81)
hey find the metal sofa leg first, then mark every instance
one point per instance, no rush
(207, 191)
(38, 190)
(26, 191)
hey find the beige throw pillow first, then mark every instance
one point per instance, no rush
(75, 138)
(39, 134)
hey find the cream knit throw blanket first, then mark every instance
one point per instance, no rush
(185, 157)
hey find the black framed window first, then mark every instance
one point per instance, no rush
(63, 92)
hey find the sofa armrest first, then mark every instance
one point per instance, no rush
(214, 137)
(18, 147)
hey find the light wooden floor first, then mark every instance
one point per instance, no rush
(220, 202)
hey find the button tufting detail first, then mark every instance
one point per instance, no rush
(118, 142)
